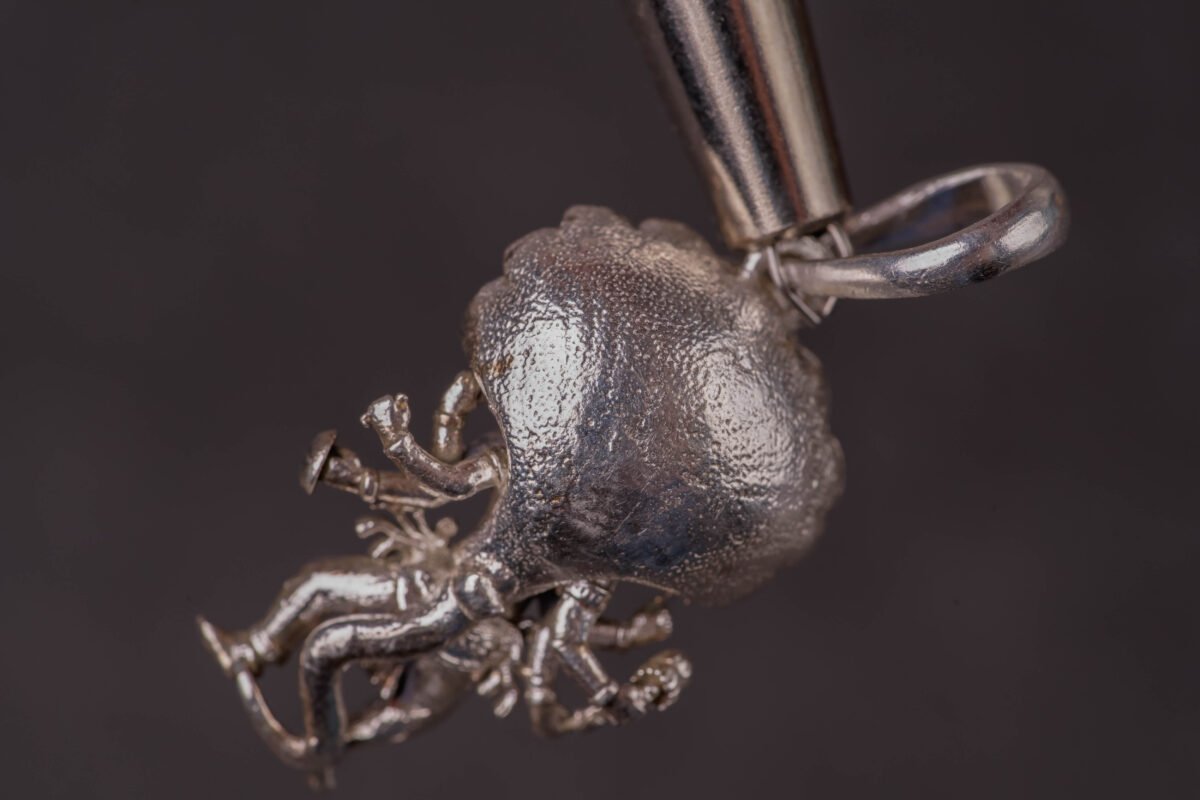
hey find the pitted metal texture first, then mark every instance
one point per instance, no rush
(661, 424)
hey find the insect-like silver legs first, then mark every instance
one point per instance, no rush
(426, 620)
(564, 639)
(343, 609)
(459, 400)
(341, 642)
(415, 696)
(323, 589)
(389, 417)
(415, 691)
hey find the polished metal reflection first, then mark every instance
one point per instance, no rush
(659, 426)
(742, 80)
(973, 225)
(658, 423)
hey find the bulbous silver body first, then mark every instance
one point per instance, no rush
(661, 424)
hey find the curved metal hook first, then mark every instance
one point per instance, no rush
(983, 221)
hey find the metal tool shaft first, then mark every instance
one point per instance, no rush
(741, 77)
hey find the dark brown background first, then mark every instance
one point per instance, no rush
(229, 225)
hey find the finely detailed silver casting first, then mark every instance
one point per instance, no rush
(657, 422)
(658, 426)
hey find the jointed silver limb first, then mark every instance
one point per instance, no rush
(389, 417)
(564, 639)
(426, 623)
(428, 485)
(650, 625)
(660, 424)
(459, 400)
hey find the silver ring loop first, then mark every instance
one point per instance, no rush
(983, 221)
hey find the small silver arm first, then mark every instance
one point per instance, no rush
(564, 639)
(389, 417)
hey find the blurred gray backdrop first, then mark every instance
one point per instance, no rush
(200, 201)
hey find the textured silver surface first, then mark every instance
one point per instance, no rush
(662, 425)
(659, 425)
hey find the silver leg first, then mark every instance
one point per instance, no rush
(345, 640)
(650, 625)
(431, 690)
(564, 640)
(389, 417)
(322, 590)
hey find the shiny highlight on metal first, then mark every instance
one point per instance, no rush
(964, 227)
(658, 424)
(742, 81)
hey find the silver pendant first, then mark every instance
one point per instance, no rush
(658, 422)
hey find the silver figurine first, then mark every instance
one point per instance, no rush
(658, 422)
